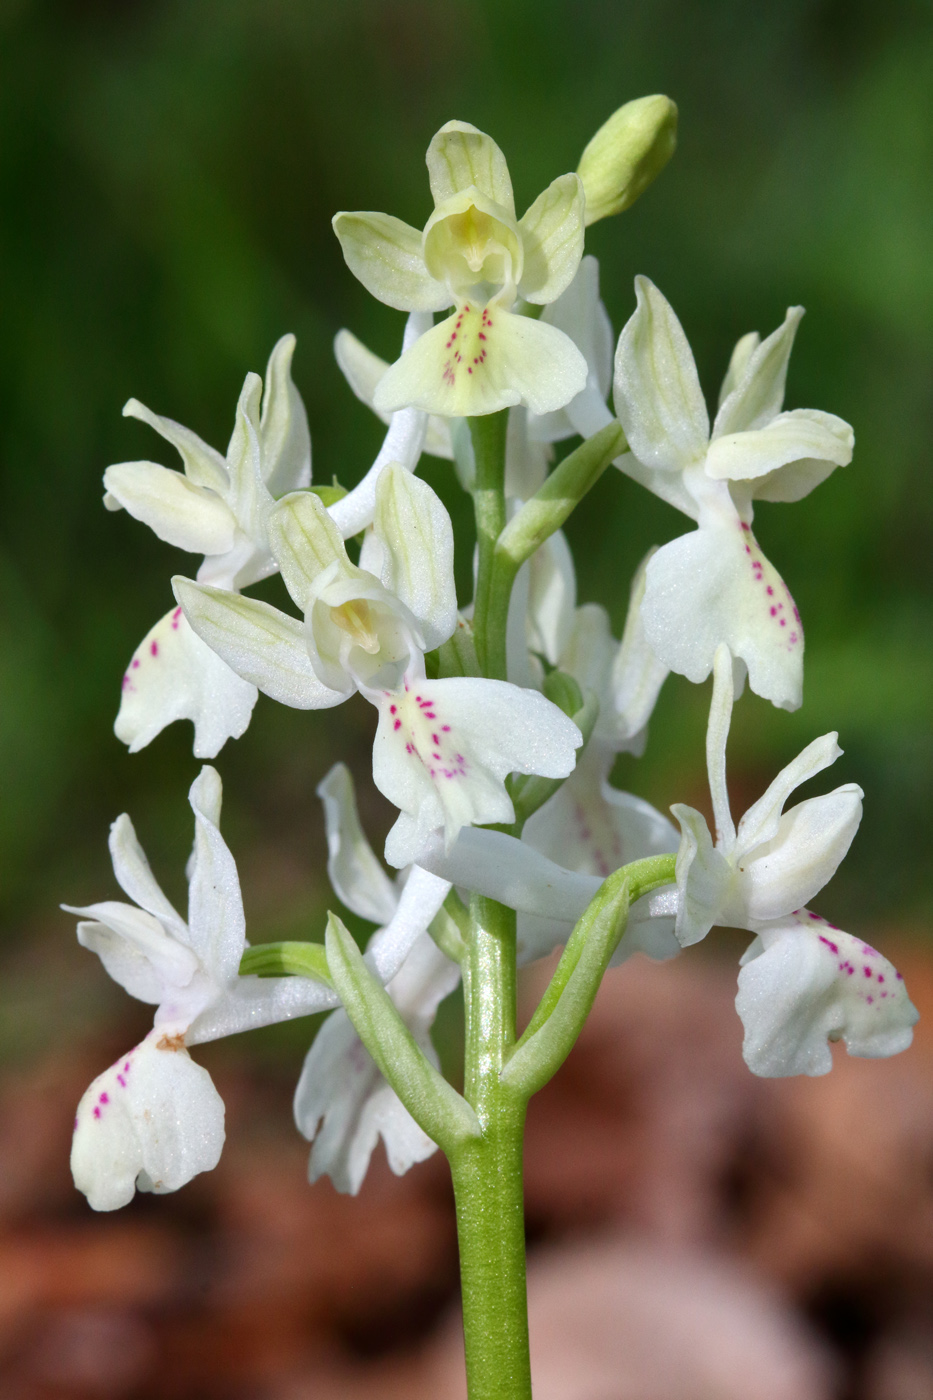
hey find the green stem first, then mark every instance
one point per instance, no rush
(487, 1171)
(491, 610)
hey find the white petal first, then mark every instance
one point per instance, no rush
(526, 459)
(283, 427)
(443, 750)
(261, 644)
(175, 675)
(793, 482)
(342, 1102)
(413, 525)
(813, 983)
(657, 391)
(187, 516)
(204, 466)
(637, 673)
(802, 435)
(385, 255)
(216, 924)
(760, 822)
(249, 497)
(252, 1002)
(579, 313)
(592, 827)
(715, 586)
(552, 598)
(704, 878)
(810, 843)
(552, 232)
(482, 359)
(745, 348)
(758, 373)
(152, 1121)
(421, 898)
(668, 485)
(305, 541)
(136, 879)
(460, 155)
(352, 867)
(135, 949)
(501, 867)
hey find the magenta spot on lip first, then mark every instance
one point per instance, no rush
(154, 648)
(899, 977)
(867, 971)
(435, 739)
(121, 1081)
(135, 663)
(408, 748)
(783, 621)
(770, 591)
(397, 724)
(880, 976)
(445, 728)
(126, 1067)
(393, 709)
(829, 943)
(870, 1000)
(76, 1124)
(774, 612)
(96, 1111)
(811, 915)
(104, 1098)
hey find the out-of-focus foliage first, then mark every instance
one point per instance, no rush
(168, 171)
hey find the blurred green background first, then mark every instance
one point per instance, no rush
(168, 171)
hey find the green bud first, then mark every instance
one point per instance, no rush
(626, 154)
(564, 692)
(329, 494)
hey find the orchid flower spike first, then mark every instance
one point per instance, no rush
(803, 982)
(217, 507)
(715, 585)
(154, 1119)
(343, 1105)
(475, 255)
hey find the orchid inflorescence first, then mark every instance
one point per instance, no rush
(498, 720)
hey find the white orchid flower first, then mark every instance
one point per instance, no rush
(805, 983)
(154, 1119)
(775, 861)
(444, 748)
(475, 255)
(217, 507)
(364, 627)
(715, 585)
(343, 1105)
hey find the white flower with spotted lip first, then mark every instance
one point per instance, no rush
(343, 1105)
(154, 1119)
(803, 982)
(364, 626)
(714, 585)
(217, 507)
(444, 748)
(775, 861)
(476, 255)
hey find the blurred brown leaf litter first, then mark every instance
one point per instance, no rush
(694, 1233)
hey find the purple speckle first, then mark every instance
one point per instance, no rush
(154, 648)
(96, 1111)
(397, 724)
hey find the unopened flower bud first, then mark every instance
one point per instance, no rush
(626, 154)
